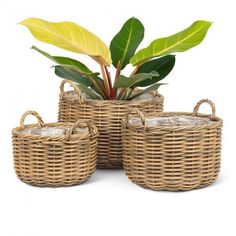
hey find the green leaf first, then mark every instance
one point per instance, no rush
(97, 84)
(66, 73)
(99, 81)
(83, 83)
(125, 43)
(149, 89)
(162, 65)
(125, 82)
(69, 36)
(89, 91)
(66, 62)
(71, 75)
(179, 42)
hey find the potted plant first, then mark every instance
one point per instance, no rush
(107, 98)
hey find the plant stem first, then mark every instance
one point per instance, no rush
(123, 96)
(135, 70)
(97, 86)
(112, 92)
(120, 94)
(106, 82)
(118, 70)
(129, 93)
(123, 91)
(102, 86)
(108, 76)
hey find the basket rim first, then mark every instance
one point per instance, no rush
(85, 135)
(215, 123)
(156, 97)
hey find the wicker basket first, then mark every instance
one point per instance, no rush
(54, 160)
(172, 157)
(107, 116)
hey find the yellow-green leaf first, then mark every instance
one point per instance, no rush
(71, 37)
(180, 42)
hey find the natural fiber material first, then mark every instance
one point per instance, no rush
(58, 160)
(172, 157)
(107, 116)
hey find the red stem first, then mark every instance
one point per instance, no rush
(108, 78)
(112, 91)
(106, 81)
(135, 70)
(118, 70)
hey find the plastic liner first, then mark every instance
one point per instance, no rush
(73, 96)
(146, 96)
(50, 131)
(172, 121)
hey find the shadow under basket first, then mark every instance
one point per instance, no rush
(107, 115)
(172, 151)
(54, 154)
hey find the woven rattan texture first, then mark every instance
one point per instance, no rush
(54, 161)
(107, 116)
(172, 158)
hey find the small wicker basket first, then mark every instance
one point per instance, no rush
(107, 116)
(172, 157)
(56, 159)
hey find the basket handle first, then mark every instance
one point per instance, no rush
(75, 87)
(131, 113)
(33, 113)
(213, 109)
(80, 124)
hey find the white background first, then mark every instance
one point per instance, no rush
(108, 204)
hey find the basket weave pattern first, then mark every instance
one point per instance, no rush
(107, 116)
(54, 160)
(172, 157)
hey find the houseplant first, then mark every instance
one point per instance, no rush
(109, 100)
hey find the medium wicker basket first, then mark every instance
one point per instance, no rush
(172, 157)
(107, 116)
(54, 160)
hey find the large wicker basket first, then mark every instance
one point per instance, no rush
(54, 160)
(107, 116)
(172, 157)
